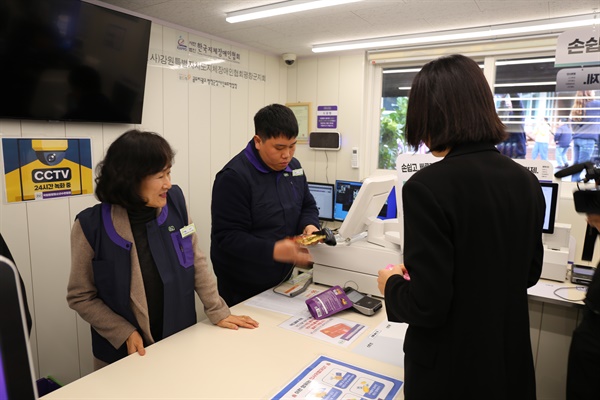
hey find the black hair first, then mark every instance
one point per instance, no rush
(450, 102)
(275, 120)
(134, 156)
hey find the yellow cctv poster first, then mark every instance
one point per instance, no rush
(39, 169)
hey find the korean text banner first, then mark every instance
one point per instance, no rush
(39, 169)
(578, 47)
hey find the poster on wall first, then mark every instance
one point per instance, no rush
(303, 115)
(327, 117)
(40, 169)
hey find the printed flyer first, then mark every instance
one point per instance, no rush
(332, 330)
(330, 379)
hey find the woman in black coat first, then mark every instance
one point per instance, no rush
(472, 246)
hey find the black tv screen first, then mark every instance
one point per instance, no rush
(68, 60)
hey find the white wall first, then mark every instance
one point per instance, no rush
(325, 81)
(206, 125)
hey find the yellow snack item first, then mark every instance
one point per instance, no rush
(308, 240)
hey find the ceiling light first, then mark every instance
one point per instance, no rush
(401, 71)
(492, 31)
(498, 63)
(525, 84)
(531, 61)
(285, 7)
(509, 85)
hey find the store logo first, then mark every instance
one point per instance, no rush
(181, 44)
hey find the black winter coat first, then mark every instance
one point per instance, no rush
(473, 245)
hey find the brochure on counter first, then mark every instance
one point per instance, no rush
(385, 343)
(333, 330)
(327, 378)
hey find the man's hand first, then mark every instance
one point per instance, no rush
(287, 250)
(310, 229)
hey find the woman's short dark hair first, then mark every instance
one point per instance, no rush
(450, 102)
(129, 159)
(275, 120)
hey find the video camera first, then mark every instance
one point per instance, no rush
(586, 200)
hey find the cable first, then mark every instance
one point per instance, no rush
(580, 288)
(287, 276)
(326, 167)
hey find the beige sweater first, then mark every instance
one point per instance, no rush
(82, 293)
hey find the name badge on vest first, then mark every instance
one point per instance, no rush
(298, 172)
(187, 230)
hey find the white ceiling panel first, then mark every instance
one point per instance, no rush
(296, 33)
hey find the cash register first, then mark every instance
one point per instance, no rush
(365, 243)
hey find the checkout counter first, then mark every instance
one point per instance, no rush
(208, 362)
(554, 312)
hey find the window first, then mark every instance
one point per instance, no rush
(561, 127)
(394, 101)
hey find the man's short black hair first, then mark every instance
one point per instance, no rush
(450, 102)
(134, 156)
(275, 120)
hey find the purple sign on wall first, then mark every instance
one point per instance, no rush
(327, 117)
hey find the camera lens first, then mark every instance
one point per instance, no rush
(51, 157)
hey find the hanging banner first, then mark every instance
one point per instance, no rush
(40, 169)
(573, 79)
(578, 47)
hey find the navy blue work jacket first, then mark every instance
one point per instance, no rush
(174, 258)
(252, 207)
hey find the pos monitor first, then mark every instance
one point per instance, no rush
(345, 193)
(324, 194)
(367, 205)
(17, 380)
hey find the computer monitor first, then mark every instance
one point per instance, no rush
(17, 380)
(324, 195)
(550, 190)
(367, 205)
(345, 193)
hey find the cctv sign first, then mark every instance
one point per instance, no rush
(39, 169)
(51, 175)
